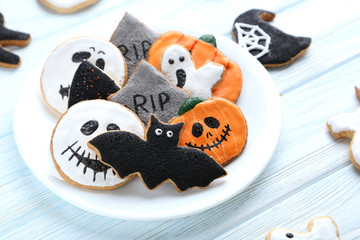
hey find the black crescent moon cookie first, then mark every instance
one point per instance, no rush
(157, 159)
(271, 46)
(13, 38)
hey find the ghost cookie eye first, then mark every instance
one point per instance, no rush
(289, 235)
(171, 61)
(89, 127)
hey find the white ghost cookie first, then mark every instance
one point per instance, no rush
(322, 228)
(347, 125)
(75, 162)
(178, 66)
(60, 67)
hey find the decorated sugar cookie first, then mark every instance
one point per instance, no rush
(90, 83)
(75, 162)
(148, 91)
(61, 65)
(201, 52)
(178, 67)
(12, 38)
(67, 6)
(134, 39)
(347, 125)
(215, 126)
(272, 47)
(322, 228)
(158, 159)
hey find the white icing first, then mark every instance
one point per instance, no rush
(59, 68)
(323, 228)
(67, 3)
(199, 82)
(249, 37)
(68, 132)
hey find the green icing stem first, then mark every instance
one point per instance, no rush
(189, 104)
(209, 39)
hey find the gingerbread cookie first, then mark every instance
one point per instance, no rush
(322, 228)
(75, 162)
(13, 38)
(67, 6)
(61, 65)
(178, 66)
(272, 47)
(90, 83)
(215, 126)
(201, 52)
(347, 125)
(158, 159)
(134, 39)
(148, 91)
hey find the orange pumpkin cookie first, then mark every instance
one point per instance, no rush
(201, 52)
(216, 126)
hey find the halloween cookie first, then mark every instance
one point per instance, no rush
(201, 52)
(90, 83)
(75, 162)
(67, 6)
(272, 47)
(61, 65)
(13, 38)
(148, 91)
(347, 125)
(318, 229)
(215, 126)
(178, 67)
(157, 159)
(134, 39)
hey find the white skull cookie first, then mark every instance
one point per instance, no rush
(75, 162)
(178, 66)
(60, 67)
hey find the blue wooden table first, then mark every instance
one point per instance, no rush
(309, 175)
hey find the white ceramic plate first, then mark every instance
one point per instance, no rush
(259, 102)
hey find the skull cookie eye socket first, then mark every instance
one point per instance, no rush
(212, 122)
(89, 127)
(197, 130)
(100, 63)
(80, 56)
(289, 235)
(112, 126)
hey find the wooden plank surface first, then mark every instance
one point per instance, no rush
(309, 175)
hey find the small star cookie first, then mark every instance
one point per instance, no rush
(178, 66)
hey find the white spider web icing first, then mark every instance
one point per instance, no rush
(252, 37)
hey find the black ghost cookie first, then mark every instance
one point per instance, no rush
(158, 159)
(90, 83)
(134, 39)
(148, 91)
(13, 38)
(272, 47)
(75, 162)
(62, 63)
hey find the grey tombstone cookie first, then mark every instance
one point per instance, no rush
(134, 39)
(148, 91)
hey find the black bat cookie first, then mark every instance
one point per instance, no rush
(268, 44)
(158, 159)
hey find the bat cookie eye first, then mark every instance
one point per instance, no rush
(182, 58)
(171, 61)
(112, 126)
(169, 134)
(89, 127)
(212, 122)
(158, 131)
(289, 235)
(197, 130)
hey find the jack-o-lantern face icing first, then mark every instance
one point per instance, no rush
(60, 67)
(215, 126)
(75, 162)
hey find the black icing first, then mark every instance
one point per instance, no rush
(89, 127)
(181, 77)
(7, 35)
(100, 63)
(80, 56)
(283, 47)
(64, 91)
(112, 127)
(158, 159)
(197, 130)
(8, 57)
(289, 235)
(212, 122)
(90, 82)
